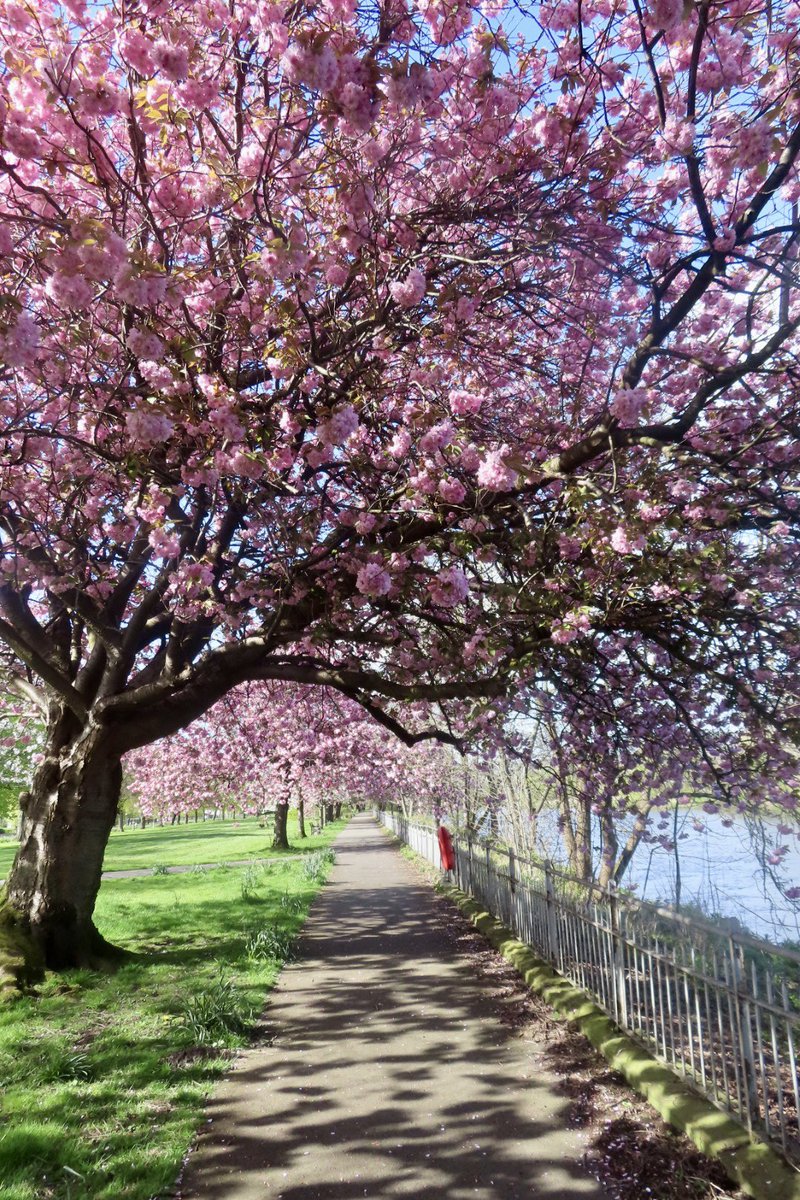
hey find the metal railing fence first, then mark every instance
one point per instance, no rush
(722, 1009)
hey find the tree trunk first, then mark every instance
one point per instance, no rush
(301, 819)
(67, 818)
(610, 846)
(280, 841)
(328, 814)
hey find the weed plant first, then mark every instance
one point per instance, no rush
(316, 865)
(250, 881)
(269, 944)
(216, 1016)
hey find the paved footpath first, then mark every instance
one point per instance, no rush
(381, 1071)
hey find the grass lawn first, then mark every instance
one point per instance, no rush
(103, 1076)
(180, 845)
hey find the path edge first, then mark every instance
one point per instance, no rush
(751, 1163)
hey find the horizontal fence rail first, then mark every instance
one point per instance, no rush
(722, 1009)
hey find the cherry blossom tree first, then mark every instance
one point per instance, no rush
(276, 745)
(424, 350)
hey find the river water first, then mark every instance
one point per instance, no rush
(722, 869)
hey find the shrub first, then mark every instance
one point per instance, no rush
(216, 1015)
(160, 869)
(251, 878)
(269, 944)
(316, 865)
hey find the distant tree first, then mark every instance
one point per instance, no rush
(274, 745)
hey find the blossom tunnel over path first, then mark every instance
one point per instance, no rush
(434, 354)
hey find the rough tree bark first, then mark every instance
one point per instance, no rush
(301, 819)
(280, 840)
(67, 817)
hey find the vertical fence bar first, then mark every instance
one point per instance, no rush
(551, 913)
(776, 1057)
(618, 959)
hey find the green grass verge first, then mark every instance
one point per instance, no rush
(9, 801)
(185, 845)
(104, 1076)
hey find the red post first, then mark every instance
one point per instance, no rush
(446, 849)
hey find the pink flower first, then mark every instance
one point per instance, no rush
(157, 375)
(755, 143)
(173, 60)
(678, 134)
(373, 580)
(336, 275)
(20, 341)
(569, 547)
(628, 404)
(146, 345)
(462, 402)
(666, 14)
(410, 291)
(449, 588)
(452, 490)
(570, 627)
(623, 544)
(148, 427)
(494, 475)
(437, 438)
(341, 426)
(466, 308)
(136, 50)
(22, 142)
(357, 106)
(165, 544)
(69, 290)
(400, 444)
(143, 291)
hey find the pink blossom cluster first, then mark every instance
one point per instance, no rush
(148, 426)
(571, 626)
(341, 426)
(629, 403)
(494, 474)
(373, 580)
(411, 290)
(450, 587)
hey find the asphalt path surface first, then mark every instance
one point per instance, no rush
(380, 1069)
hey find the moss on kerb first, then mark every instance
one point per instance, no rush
(758, 1170)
